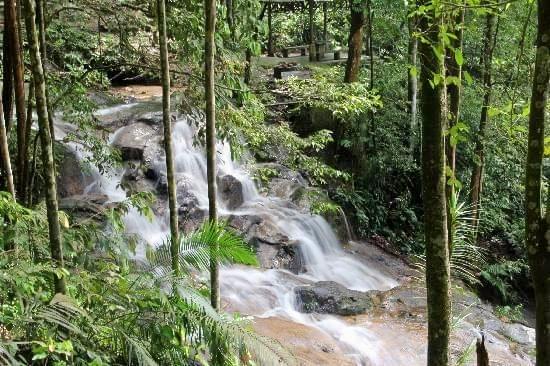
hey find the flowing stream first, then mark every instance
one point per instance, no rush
(257, 292)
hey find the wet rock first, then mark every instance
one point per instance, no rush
(332, 298)
(289, 257)
(274, 250)
(519, 333)
(133, 139)
(244, 223)
(267, 233)
(190, 214)
(339, 222)
(404, 301)
(84, 206)
(284, 257)
(72, 178)
(231, 190)
(134, 181)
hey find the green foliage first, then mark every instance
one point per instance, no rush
(118, 311)
(502, 276)
(346, 101)
(276, 141)
(510, 313)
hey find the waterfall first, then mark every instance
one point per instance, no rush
(256, 292)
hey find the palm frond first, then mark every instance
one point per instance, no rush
(264, 350)
(62, 310)
(466, 258)
(211, 241)
(6, 357)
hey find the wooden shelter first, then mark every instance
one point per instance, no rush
(282, 6)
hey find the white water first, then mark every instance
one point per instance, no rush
(265, 293)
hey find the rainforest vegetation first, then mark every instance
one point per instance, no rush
(275, 182)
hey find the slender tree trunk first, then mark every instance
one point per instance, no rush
(248, 66)
(167, 124)
(412, 84)
(41, 22)
(355, 43)
(454, 70)
(476, 181)
(434, 117)
(56, 248)
(209, 70)
(7, 72)
(370, 18)
(311, 8)
(6, 163)
(537, 226)
(28, 128)
(230, 17)
(270, 50)
(12, 31)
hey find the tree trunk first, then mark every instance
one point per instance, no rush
(167, 124)
(270, 51)
(209, 52)
(370, 18)
(481, 352)
(311, 8)
(248, 66)
(56, 248)
(476, 181)
(355, 43)
(454, 69)
(412, 84)
(28, 128)
(41, 28)
(434, 117)
(230, 17)
(537, 227)
(12, 32)
(4, 150)
(7, 73)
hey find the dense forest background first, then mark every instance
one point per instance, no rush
(416, 143)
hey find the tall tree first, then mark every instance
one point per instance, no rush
(454, 71)
(167, 124)
(453, 63)
(12, 32)
(537, 223)
(476, 181)
(355, 40)
(434, 116)
(41, 21)
(7, 73)
(5, 151)
(56, 248)
(210, 98)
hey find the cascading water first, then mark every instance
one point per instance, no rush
(264, 293)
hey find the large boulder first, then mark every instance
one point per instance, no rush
(72, 178)
(332, 298)
(274, 249)
(133, 139)
(231, 190)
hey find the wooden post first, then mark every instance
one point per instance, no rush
(270, 52)
(311, 30)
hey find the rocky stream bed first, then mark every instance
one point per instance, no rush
(329, 300)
